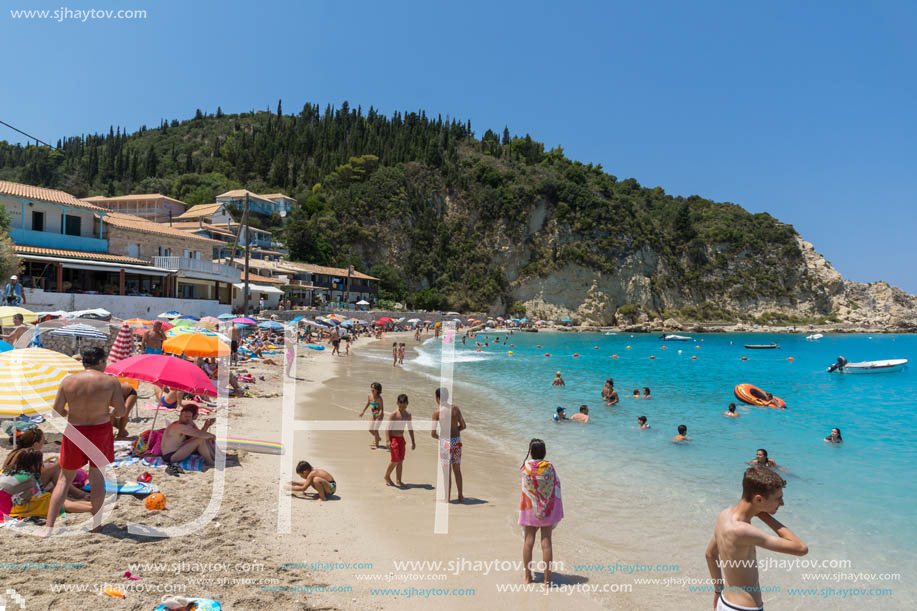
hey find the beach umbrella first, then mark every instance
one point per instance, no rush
(197, 330)
(210, 319)
(7, 313)
(170, 314)
(79, 331)
(362, 302)
(385, 319)
(413, 320)
(364, 322)
(347, 323)
(244, 321)
(270, 324)
(164, 370)
(137, 322)
(226, 316)
(30, 378)
(123, 346)
(188, 317)
(195, 344)
(565, 320)
(4, 346)
(456, 320)
(183, 322)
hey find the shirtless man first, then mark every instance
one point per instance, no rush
(182, 438)
(450, 451)
(582, 416)
(558, 381)
(130, 399)
(320, 480)
(153, 338)
(682, 434)
(88, 400)
(235, 336)
(731, 411)
(397, 421)
(19, 327)
(735, 541)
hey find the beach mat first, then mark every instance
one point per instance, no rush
(253, 445)
(195, 462)
(126, 487)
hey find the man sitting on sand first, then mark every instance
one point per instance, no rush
(320, 480)
(582, 416)
(153, 338)
(731, 412)
(735, 541)
(182, 438)
(682, 434)
(558, 381)
(89, 400)
(397, 422)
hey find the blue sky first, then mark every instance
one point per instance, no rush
(801, 109)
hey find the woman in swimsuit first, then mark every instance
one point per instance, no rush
(374, 401)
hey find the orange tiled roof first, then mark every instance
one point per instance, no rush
(239, 193)
(135, 223)
(199, 211)
(132, 197)
(328, 271)
(273, 196)
(15, 189)
(25, 251)
(259, 279)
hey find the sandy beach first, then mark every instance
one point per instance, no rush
(239, 558)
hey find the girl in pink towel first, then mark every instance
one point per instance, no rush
(541, 506)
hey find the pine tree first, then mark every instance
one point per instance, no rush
(219, 113)
(506, 139)
(279, 108)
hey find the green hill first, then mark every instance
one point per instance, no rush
(445, 218)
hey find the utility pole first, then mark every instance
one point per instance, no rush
(248, 240)
(349, 272)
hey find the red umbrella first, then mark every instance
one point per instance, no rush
(165, 371)
(385, 319)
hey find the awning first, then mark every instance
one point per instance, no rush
(99, 266)
(260, 288)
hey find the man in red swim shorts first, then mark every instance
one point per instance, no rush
(89, 400)
(397, 422)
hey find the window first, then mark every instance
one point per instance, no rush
(72, 225)
(165, 252)
(38, 221)
(133, 250)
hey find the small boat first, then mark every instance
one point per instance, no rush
(886, 366)
(675, 338)
(611, 333)
(755, 396)
(761, 346)
(814, 337)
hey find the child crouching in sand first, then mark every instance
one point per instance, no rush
(320, 480)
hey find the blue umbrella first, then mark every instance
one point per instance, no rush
(297, 319)
(4, 346)
(565, 320)
(270, 324)
(189, 317)
(226, 316)
(347, 323)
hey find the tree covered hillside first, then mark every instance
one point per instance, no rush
(444, 218)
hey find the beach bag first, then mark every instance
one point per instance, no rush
(148, 443)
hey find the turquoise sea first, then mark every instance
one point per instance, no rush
(852, 501)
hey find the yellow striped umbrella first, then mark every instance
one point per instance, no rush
(7, 312)
(30, 378)
(195, 344)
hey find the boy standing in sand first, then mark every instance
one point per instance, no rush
(397, 421)
(735, 541)
(395, 354)
(401, 349)
(450, 450)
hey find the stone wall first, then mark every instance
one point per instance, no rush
(119, 238)
(122, 306)
(368, 316)
(68, 345)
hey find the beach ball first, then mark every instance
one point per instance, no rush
(155, 502)
(628, 347)
(556, 418)
(510, 352)
(744, 358)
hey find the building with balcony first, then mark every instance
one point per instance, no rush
(334, 284)
(206, 213)
(258, 204)
(154, 207)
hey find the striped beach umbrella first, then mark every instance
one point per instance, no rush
(79, 330)
(183, 322)
(137, 322)
(123, 346)
(198, 330)
(30, 378)
(7, 313)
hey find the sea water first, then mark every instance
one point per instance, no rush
(852, 501)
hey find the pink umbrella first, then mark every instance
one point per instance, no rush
(165, 371)
(210, 319)
(244, 321)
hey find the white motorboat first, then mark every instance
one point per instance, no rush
(814, 337)
(886, 366)
(675, 338)
(611, 333)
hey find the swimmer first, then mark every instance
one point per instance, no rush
(682, 434)
(731, 412)
(609, 393)
(636, 394)
(560, 414)
(641, 421)
(558, 381)
(582, 416)
(835, 436)
(761, 459)
(646, 392)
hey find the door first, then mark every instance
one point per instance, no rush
(133, 250)
(38, 221)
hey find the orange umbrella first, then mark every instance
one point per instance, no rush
(195, 344)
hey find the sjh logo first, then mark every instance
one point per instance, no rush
(13, 596)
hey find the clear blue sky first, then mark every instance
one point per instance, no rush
(805, 110)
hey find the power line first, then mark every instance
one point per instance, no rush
(31, 137)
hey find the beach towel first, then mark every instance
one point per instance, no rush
(124, 461)
(541, 503)
(148, 443)
(195, 462)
